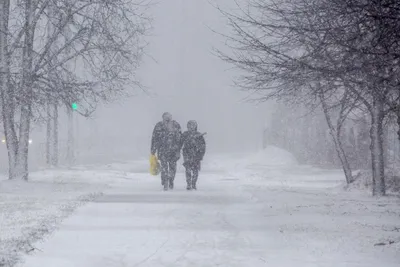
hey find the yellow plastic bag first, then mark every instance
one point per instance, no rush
(154, 165)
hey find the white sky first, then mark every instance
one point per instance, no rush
(185, 78)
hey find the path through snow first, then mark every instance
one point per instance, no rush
(231, 221)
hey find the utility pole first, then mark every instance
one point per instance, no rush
(76, 141)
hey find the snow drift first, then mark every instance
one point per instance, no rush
(363, 181)
(272, 156)
(269, 157)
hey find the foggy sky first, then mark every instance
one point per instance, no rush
(184, 77)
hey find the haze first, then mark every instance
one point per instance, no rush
(180, 74)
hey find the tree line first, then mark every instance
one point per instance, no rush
(340, 57)
(55, 53)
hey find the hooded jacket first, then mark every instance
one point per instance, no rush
(193, 146)
(166, 141)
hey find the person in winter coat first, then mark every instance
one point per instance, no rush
(166, 142)
(193, 150)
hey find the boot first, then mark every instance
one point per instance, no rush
(165, 184)
(188, 180)
(171, 184)
(194, 185)
(194, 178)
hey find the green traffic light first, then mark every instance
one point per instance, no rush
(74, 106)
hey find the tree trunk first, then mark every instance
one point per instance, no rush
(70, 113)
(397, 151)
(386, 144)
(7, 92)
(52, 108)
(363, 144)
(26, 106)
(377, 153)
(23, 147)
(336, 137)
(398, 121)
(48, 133)
(55, 136)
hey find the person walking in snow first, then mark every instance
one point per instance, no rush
(193, 149)
(166, 142)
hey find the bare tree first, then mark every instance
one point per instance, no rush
(269, 52)
(7, 97)
(102, 52)
(286, 46)
(335, 130)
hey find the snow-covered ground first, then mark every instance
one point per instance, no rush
(250, 210)
(29, 211)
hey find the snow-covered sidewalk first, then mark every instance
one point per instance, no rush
(29, 211)
(231, 221)
(260, 210)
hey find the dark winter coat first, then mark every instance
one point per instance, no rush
(193, 146)
(166, 141)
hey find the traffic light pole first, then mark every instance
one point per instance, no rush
(48, 133)
(70, 140)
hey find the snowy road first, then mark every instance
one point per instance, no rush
(225, 223)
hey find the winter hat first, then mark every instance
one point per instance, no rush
(192, 125)
(167, 116)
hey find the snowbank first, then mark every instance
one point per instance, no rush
(363, 181)
(272, 156)
(269, 157)
(31, 210)
(275, 167)
(222, 163)
(282, 226)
